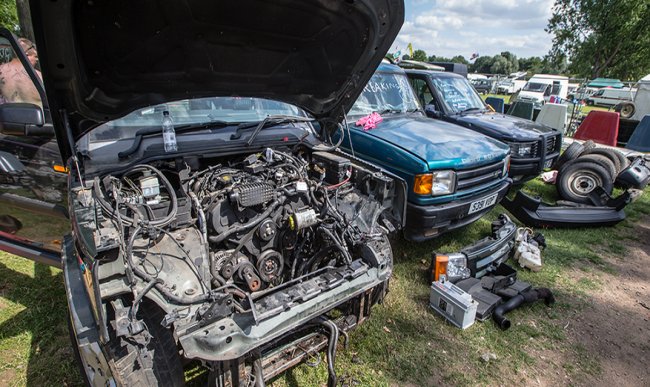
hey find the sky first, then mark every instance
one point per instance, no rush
(462, 27)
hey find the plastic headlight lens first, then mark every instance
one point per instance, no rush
(453, 266)
(436, 183)
(506, 166)
(443, 183)
(521, 149)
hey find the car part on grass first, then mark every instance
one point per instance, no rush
(527, 250)
(636, 175)
(478, 259)
(500, 292)
(518, 300)
(534, 213)
(453, 303)
(577, 180)
(572, 152)
(625, 109)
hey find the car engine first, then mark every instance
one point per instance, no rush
(245, 235)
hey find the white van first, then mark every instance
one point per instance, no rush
(541, 87)
(512, 84)
(611, 97)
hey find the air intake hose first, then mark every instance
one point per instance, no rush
(516, 301)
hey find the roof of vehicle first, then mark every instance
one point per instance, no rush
(606, 82)
(414, 64)
(103, 60)
(549, 76)
(387, 67)
(435, 74)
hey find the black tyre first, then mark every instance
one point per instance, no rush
(578, 179)
(625, 109)
(571, 153)
(589, 144)
(619, 160)
(596, 159)
(154, 364)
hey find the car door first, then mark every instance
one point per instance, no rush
(33, 180)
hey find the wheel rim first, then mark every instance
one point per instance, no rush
(582, 183)
(626, 110)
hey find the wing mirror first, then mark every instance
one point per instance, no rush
(430, 110)
(24, 119)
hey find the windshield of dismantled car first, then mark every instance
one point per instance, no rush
(386, 93)
(457, 94)
(194, 111)
(535, 87)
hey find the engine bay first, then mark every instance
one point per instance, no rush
(245, 235)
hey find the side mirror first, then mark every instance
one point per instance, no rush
(430, 110)
(24, 119)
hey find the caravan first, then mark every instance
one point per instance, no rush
(541, 87)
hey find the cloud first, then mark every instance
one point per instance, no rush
(457, 27)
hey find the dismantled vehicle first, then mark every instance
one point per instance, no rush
(454, 175)
(450, 97)
(246, 241)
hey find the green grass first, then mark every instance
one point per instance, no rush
(403, 342)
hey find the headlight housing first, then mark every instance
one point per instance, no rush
(522, 149)
(435, 184)
(453, 266)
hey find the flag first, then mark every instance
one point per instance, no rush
(410, 47)
(474, 56)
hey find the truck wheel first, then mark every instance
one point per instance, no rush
(619, 160)
(626, 109)
(577, 180)
(596, 159)
(572, 152)
(155, 364)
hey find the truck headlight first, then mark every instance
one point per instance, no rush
(506, 166)
(522, 149)
(435, 184)
(453, 266)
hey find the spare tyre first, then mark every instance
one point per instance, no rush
(572, 152)
(601, 160)
(625, 109)
(619, 160)
(578, 179)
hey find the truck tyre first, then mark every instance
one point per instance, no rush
(577, 180)
(572, 152)
(619, 160)
(589, 144)
(596, 159)
(155, 364)
(625, 109)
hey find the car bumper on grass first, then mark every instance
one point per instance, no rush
(426, 222)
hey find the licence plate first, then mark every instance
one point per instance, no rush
(548, 163)
(482, 203)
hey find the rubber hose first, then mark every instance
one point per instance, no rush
(221, 237)
(523, 298)
(331, 350)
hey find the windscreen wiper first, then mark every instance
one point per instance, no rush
(155, 130)
(470, 110)
(269, 120)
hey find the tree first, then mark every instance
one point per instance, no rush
(8, 15)
(25, 19)
(459, 59)
(608, 38)
(482, 64)
(420, 55)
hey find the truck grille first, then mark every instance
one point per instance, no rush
(552, 144)
(470, 178)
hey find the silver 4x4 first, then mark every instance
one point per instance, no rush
(251, 245)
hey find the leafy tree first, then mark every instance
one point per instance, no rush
(459, 59)
(8, 15)
(482, 64)
(608, 38)
(420, 55)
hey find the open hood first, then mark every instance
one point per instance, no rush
(102, 59)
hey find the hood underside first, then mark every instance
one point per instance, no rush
(102, 59)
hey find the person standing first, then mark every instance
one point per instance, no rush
(15, 83)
